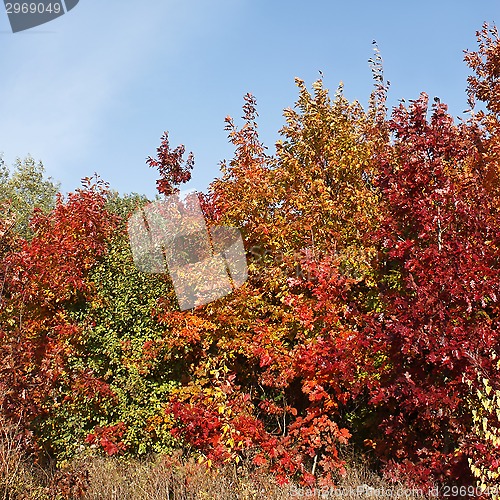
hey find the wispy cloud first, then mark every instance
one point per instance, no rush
(59, 79)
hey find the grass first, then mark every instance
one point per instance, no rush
(164, 478)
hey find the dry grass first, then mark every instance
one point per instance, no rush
(160, 480)
(19, 478)
(163, 478)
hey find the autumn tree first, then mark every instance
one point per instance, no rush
(45, 279)
(369, 317)
(312, 201)
(438, 265)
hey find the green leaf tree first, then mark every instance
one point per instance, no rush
(25, 187)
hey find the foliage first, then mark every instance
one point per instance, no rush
(26, 188)
(369, 318)
(485, 408)
(44, 279)
(357, 329)
(436, 327)
(170, 166)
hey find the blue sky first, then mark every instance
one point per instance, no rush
(94, 90)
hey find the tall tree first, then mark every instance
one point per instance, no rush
(439, 285)
(45, 279)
